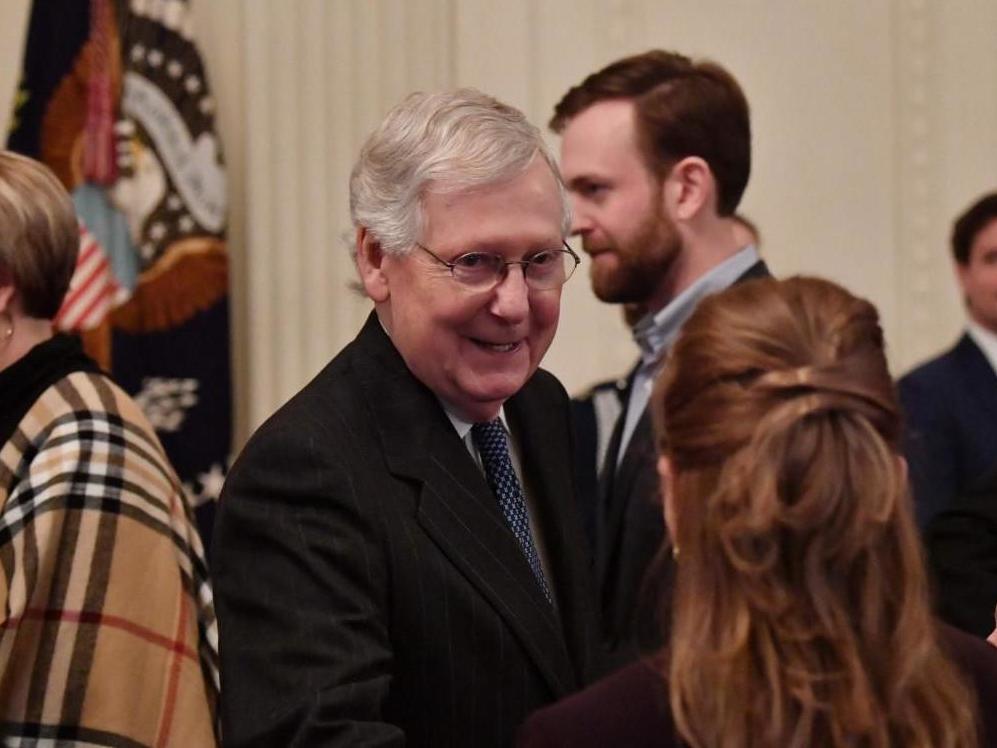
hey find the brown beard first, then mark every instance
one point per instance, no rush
(642, 263)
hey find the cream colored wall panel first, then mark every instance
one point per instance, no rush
(968, 68)
(341, 120)
(923, 283)
(494, 48)
(317, 190)
(963, 105)
(289, 113)
(218, 28)
(13, 29)
(320, 74)
(260, 229)
(818, 77)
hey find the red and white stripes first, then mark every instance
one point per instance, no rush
(93, 291)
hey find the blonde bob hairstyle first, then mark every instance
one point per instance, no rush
(39, 234)
(801, 612)
(445, 142)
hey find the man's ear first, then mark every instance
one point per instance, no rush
(370, 261)
(689, 187)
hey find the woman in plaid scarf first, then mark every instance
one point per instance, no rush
(107, 630)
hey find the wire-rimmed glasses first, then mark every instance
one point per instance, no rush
(480, 271)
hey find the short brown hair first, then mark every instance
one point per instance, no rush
(39, 233)
(971, 223)
(683, 108)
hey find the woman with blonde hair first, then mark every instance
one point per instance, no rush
(107, 626)
(801, 613)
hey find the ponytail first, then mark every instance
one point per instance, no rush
(801, 613)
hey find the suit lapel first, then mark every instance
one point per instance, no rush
(634, 459)
(456, 507)
(543, 435)
(618, 486)
(467, 527)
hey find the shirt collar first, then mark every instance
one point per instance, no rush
(462, 427)
(985, 339)
(655, 333)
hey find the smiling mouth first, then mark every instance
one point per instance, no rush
(497, 347)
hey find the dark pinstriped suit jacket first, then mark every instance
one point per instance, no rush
(368, 589)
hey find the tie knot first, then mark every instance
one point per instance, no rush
(489, 436)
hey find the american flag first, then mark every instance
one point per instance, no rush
(93, 290)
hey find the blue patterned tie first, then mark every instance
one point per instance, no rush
(493, 446)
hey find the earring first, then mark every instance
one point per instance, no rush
(675, 553)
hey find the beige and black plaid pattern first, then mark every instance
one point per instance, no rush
(108, 632)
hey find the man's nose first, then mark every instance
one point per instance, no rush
(512, 295)
(580, 221)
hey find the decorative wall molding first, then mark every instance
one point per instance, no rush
(921, 270)
(319, 75)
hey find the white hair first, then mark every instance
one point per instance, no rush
(449, 142)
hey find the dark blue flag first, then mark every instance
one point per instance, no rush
(114, 98)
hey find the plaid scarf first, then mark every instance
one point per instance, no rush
(108, 632)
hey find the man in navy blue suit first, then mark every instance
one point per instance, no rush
(951, 401)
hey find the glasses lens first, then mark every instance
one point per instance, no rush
(550, 269)
(477, 269)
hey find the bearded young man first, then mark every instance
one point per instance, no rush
(655, 153)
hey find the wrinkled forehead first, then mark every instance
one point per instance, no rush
(522, 200)
(526, 210)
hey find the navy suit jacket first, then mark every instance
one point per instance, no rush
(962, 548)
(369, 591)
(951, 407)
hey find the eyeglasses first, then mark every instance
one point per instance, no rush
(481, 271)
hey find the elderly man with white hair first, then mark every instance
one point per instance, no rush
(397, 557)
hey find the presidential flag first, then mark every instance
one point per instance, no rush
(114, 98)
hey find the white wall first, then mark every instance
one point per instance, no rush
(873, 125)
(13, 27)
